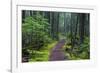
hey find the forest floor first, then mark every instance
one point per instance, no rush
(57, 53)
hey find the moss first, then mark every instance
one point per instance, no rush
(43, 54)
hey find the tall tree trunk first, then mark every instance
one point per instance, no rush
(82, 23)
(71, 31)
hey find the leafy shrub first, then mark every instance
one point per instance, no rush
(35, 31)
(85, 49)
(81, 51)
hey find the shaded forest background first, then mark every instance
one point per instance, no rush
(42, 30)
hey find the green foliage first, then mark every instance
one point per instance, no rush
(81, 51)
(41, 29)
(35, 31)
(85, 49)
(36, 38)
(42, 55)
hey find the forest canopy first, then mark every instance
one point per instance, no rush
(53, 36)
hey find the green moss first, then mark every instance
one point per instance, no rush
(43, 54)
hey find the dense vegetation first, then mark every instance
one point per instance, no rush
(42, 30)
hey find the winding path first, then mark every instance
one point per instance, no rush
(57, 53)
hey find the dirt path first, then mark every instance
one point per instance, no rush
(57, 53)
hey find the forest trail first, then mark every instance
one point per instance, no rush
(57, 53)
